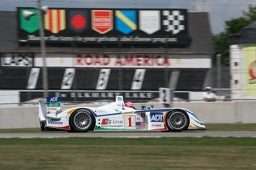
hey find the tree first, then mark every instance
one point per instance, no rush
(251, 13)
(233, 26)
(221, 46)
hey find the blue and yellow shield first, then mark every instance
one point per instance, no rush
(126, 21)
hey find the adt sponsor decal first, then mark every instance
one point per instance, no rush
(53, 99)
(156, 117)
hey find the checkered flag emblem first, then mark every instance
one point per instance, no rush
(173, 21)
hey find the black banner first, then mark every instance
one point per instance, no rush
(151, 79)
(108, 27)
(69, 96)
(89, 96)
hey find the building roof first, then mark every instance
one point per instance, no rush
(8, 31)
(247, 35)
(198, 25)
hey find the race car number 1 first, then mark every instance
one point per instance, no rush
(130, 121)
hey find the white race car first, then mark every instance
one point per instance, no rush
(115, 116)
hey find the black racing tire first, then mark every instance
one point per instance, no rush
(42, 125)
(81, 121)
(177, 120)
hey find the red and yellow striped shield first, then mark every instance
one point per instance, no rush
(55, 20)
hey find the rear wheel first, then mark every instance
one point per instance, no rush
(81, 121)
(177, 120)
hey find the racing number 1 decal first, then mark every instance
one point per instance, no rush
(130, 122)
(103, 79)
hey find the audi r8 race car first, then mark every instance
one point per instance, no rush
(115, 116)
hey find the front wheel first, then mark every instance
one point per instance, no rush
(177, 120)
(42, 125)
(81, 121)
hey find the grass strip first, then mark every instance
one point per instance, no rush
(204, 141)
(123, 153)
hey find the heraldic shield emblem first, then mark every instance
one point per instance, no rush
(102, 21)
(149, 21)
(55, 20)
(30, 23)
(126, 21)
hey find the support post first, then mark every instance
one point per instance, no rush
(43, 51)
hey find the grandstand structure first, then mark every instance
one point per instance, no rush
(129, 52)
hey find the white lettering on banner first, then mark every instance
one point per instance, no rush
(103, 79)
(68, 78)
(165, 96)
(33, 78)
(138, 79)
(127, 95)
(140, 95)
(53, 99)
(22, 60)
(129, 39)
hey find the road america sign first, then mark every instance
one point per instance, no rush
(102, 21)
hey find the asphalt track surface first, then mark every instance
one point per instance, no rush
(131, 134)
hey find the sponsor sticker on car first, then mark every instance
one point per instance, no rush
(106, 122)
(156, 117)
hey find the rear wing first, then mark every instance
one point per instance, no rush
(49, 107)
